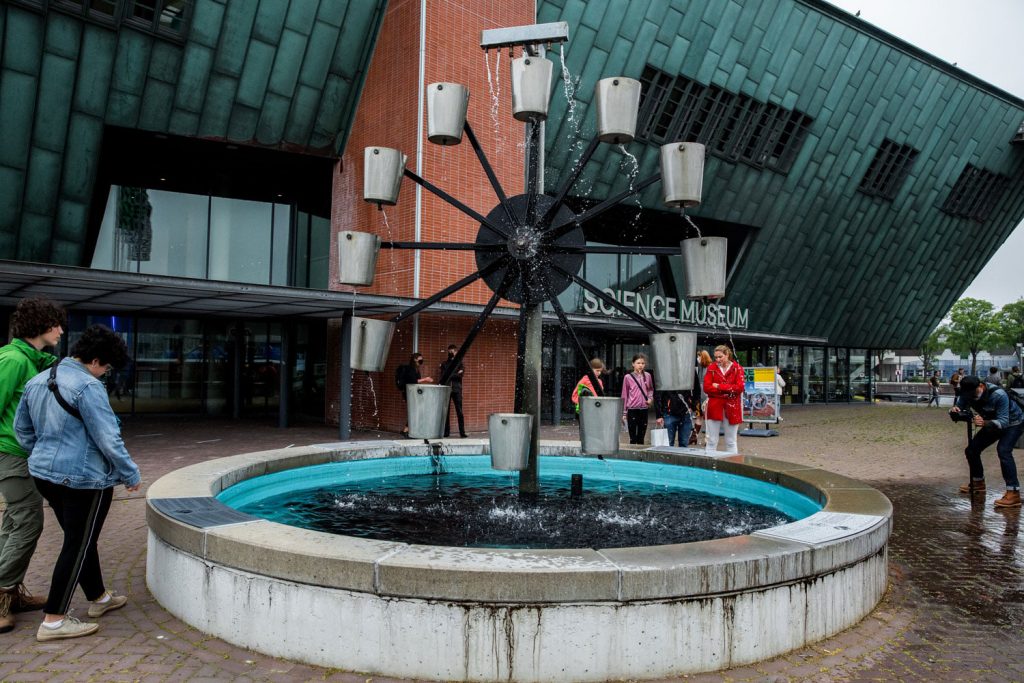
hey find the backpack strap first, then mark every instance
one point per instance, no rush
(51, 384)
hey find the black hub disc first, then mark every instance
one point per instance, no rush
(530, 257)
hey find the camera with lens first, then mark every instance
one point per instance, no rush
(962, 416)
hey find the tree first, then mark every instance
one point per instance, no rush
(972, 327)
(930, 349)
(1010, 321)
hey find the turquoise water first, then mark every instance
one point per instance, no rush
(466, 503)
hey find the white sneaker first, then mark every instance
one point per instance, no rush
(71, 628)
(98, 609)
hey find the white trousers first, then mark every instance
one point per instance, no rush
(712, 427)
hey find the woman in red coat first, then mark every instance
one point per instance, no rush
(723, 383)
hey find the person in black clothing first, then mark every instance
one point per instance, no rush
(410, 374)
(455, 382)
(675, 410)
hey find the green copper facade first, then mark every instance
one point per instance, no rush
(824, 257)
(270, 73)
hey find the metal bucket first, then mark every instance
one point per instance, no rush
(531, 88)
(446, 112)
(510, 435)
(382, 174)
(682, 173)
(428, 407)
(674, 355)
(600, 423)
(371, 340)
(357, 257)
(618, 103)
(704, 260)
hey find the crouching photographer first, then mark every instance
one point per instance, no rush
(1001, 420)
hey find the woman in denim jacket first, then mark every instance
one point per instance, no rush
(76, 457)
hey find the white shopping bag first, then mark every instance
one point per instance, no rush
(659, 437)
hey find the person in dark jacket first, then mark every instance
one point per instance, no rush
(410, 374)
(455, 382)
(36, 324)
(1001, 421)
(675, 410)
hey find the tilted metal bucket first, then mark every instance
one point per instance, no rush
(674, 355)
(510, 435)
(382, 174)
(446, 112)
(531, 88)
(618, 104)
(357, 257)
(371, 340)
(704, 261)
(600, 423)
(428, 407)
(682, 173)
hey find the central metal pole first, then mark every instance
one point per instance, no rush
(529, 479)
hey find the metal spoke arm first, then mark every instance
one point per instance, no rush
(489, 170)
(559, 230)
(441, 194)
(596, 291)
(560, 312)
(454, 246)
(616, 249)
(475, 330)
(570, 181)
(447, 291)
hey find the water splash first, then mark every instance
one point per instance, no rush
(576, 143)
(631, 165)
(494, 86)
(391, 252)
(682, 212)
(373, 396)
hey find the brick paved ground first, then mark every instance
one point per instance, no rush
(953, 611)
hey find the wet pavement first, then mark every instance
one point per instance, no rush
(953, 611)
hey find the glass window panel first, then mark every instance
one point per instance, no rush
(791, 366)
(282, 233)
(240, 238)
(169, 366)
(178, 235)
(300, 253)
(814, 374)
(859, 374)
(838, 375)
(319, 251)
(103, 256)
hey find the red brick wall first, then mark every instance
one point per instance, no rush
(387, 117)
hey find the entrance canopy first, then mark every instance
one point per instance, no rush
(119, 293)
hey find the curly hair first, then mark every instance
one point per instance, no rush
(36, 315)
(101, 343)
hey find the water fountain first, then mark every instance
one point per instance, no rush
(450, 605)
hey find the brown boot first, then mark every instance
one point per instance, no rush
(1010, 499)
(6, 617)
(23, 601)
(973, 486)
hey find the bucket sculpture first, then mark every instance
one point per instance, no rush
(600, 424)
(510, 440)
(428, 408)
(618, 103)
(382, 175)
(357, 257)
(531, 83)
(371, 339)
(682, 173)
(674, 355)
(704, 267)
(446, 112)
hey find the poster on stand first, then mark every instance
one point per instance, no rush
(760, 402)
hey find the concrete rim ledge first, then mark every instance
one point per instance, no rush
(705, 569)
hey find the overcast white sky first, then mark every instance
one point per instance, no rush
(982, 37)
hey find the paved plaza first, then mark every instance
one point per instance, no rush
(953, 611)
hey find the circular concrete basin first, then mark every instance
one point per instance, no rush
(449, 613)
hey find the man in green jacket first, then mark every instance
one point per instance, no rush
(36, 324)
